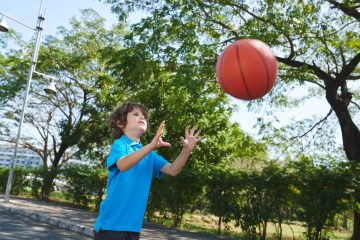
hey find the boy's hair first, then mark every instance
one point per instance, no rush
(119, 117)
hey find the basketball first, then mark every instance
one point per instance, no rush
(247, 69)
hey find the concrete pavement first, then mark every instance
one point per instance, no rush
(81, 221)
(16, 227)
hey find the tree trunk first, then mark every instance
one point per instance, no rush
(264, 230)
(48, 183)
(99, 195)
(178, 219)
(279, 230)
(219, 225)
(350, 134)
(356, 228)
(345, 221)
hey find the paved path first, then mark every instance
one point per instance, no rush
(16, 227)
(81, 221)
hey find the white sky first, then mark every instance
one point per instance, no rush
(59, 12)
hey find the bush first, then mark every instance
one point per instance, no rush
(20, 180)
(86, 184)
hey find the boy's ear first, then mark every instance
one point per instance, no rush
(121, 126)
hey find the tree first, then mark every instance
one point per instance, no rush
(279, 194)
(322, 192)
(222, 200)
(59, 127)
(83, 182)
(316, 43)
(11, 81)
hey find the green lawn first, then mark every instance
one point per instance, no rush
(208, 224)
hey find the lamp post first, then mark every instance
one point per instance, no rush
(51, 89)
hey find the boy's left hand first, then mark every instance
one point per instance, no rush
(191, 138)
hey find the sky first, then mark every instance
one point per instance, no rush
(58, 13)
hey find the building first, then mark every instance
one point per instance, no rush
(25, 157)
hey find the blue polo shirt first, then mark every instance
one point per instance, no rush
(128, 191)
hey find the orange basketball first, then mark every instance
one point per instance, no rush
(246, 69)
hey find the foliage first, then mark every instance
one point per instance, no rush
(20, 180)
(41, 182)
(64, 126)
(322, 192)
(315, 43)
(11, 81)
(280, 194)
(187, 187)
(167, 62)
(222, 193)
(176, 89)
(84, 182)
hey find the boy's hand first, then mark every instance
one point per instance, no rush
(191, 138)
(157, 142)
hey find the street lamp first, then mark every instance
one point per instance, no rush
(50, 89)
(3, 25)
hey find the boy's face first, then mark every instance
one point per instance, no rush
(136, 121)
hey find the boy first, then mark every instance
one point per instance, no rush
(131, 167)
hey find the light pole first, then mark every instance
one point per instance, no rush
(51, 89)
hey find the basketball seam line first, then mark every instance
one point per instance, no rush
(266, 68)
(241, 72)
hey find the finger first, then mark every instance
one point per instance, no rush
(166, 144)
(186, 132)
(161, 127)
(182, 140)
(199, 139)
(197, 133)
(193, 130)
(159, 132)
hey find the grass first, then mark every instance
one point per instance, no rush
(208, 224)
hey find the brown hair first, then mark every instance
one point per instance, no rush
(119, 117)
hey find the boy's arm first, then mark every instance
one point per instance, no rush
(130, 160)
(189, 143)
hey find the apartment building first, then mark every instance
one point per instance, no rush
(25, 157)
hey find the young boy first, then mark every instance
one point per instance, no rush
(131, 167)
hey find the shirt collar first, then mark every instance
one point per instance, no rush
(130, 141)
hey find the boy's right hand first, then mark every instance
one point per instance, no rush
(157, 141)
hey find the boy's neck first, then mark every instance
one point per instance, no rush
(133, 136)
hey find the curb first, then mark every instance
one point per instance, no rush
(67, 225)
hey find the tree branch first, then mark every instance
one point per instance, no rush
(351, 77)
(349, 68)
(350, 11)
(357, 105)
(216, 21)
(317, 71)
(313, 127)
(307, 132)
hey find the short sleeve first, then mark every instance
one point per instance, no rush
(158, 163)
(118, 150)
